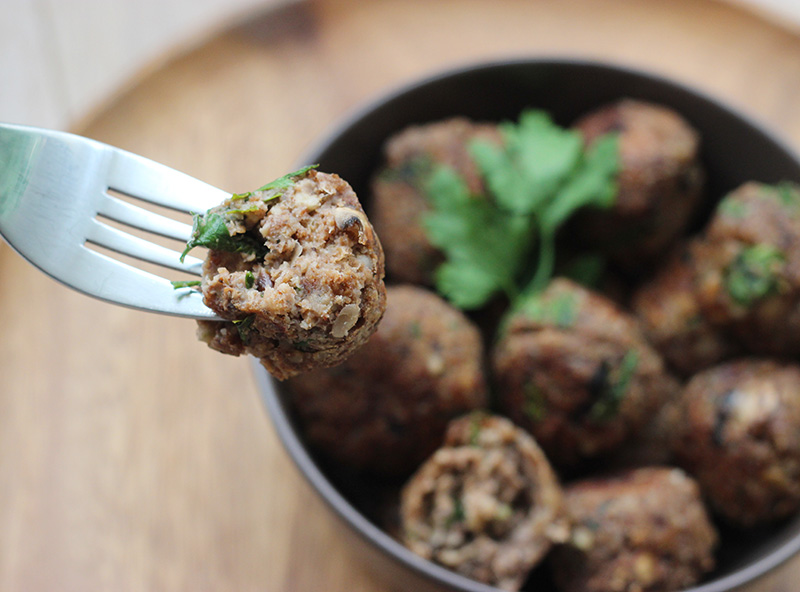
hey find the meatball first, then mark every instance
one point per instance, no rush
(739, 435)
(574, 369)
(398, 198)
(385, 409)
(748, 268)
(297, 274)
(643, 530)
(660, 181)
(669, 311)
(486, 505)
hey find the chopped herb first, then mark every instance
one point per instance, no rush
(732, 207)
(753, 274)
(210, 230)
(535, 406)
(586, 269)
(249, 279)
(275, 188)
(615, 387)
(245, 327)
(560, 310)
(535, 181)
(475, 429)
(415, 329)
(185, 284)
(302, 346)
(504, 512)
(458, 515)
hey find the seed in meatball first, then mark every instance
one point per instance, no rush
(739, 435)
(574, 369)
(399, 201)
(645, 530)
(487, 504)
(748, 268)
(297, 275)
(660, 181)
(385, 409)
(670, 314)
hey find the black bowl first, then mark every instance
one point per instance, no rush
(734, 150)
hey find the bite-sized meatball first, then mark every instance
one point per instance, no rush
(386, 408)
(644, 530)
(739, 435)
(669, 311)
(660, 181)
(486, 505)
(296, 270)
(399, 201)
(748, 267)
(574, 369)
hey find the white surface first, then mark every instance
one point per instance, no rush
(61, 58)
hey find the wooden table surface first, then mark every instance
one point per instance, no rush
(134, 458)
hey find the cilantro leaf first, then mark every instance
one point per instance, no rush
(211, 231)
(484, 247)
(275, 188)
(535, 181)
(535, 159)
(754, 274)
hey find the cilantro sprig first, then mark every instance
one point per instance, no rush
(536, 179)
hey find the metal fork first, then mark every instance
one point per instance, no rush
(56, 196)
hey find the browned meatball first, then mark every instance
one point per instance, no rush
(574, 369)
(298, 275)
(399, 201)
(486, 505)
(739, 435)
(660, 180)
(670, 314)
(644, 530)
(385, 409)
(748, 268)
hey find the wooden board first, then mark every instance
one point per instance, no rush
(134, 458)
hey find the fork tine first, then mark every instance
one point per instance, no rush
(127, 244)
(126, 213)
(145, 179)
(109, 280)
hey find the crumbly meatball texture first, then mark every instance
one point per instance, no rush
(575, 370)
(316, 295)
(673, 321)
(398, 201)
(644, 530)
(739, 435)
(748, 268)
(661, 180)
(486, 505)
(385, 409)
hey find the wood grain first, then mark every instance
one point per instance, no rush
(132, 457)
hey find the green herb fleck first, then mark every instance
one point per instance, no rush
(458, 515)
(732, 207)
(559, 309)
(535, 406)
(415, 330)
(613, 391)
(245, 328)
(753, 274)
(302, 346)
(185, 284)
(475, 429)
(249, 279)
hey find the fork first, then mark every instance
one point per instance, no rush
(57, 194)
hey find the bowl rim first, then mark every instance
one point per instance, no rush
(267, 386)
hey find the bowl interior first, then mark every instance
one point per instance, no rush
(734, 150)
